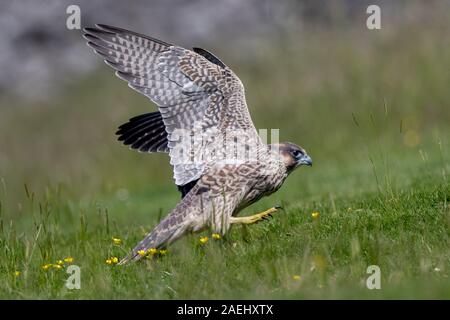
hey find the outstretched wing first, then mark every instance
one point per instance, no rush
(197, 95)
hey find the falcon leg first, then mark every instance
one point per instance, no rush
(254, 218)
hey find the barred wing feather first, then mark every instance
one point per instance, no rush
(194, 91)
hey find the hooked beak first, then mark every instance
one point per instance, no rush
(305, 160)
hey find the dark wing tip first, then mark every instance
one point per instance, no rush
(107, 29)
(145, 133)
(96, 31)
(208, 55)
(89, 29)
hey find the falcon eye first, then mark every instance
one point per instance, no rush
(296, 153)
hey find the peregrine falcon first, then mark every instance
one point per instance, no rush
(220, 163)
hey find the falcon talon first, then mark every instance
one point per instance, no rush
(198, 96)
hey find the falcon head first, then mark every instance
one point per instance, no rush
(293, 155)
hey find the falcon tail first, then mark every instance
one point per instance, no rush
(176, 224)
(158, 238)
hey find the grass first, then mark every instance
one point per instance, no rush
(374, 118)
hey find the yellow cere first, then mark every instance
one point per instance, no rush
(296, 277)
(315, 215)
(203, 240)
(117, 241)
(216, 236)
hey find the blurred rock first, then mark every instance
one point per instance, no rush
(38, 53)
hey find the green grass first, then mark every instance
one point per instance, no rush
(374, 118)
(405, 232)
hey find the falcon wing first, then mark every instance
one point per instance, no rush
(194, 91)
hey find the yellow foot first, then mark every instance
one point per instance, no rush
(256, 217)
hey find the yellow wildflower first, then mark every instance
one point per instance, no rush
(17, 273)
(204, 240)
(296, 277)
(216, 236)
(68, 260)
(60, 262)
(315, 215)
(141, 253)
(117, 241)
(57, 266)
(47, 266)
(112, 260)
(162, 252)
(152, 251)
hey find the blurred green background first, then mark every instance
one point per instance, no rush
(372, 108)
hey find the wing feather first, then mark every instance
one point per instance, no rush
(194, 92)
(146, 133)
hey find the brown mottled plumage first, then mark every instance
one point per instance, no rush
(197, 93)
